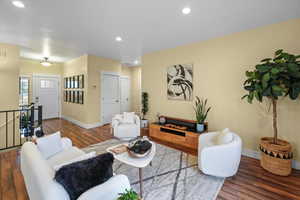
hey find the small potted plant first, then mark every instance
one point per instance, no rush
(145, 109)
(201, 112)
(129, 195)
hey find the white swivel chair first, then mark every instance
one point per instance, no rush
(219, 153)
(125, 130)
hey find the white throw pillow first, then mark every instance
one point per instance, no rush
(225, 137)
(128, 117)
(50, 145)
(79, 158)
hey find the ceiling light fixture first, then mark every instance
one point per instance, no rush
(186, 10)
(119, 39)
(136, 62)
(18, 4)
(45, 62)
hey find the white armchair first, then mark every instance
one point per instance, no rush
(217, 159)
(126, 131)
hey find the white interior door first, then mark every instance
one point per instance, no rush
(46, 93)
(125, 94)
(110, 97)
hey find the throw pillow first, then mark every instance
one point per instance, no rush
(49, 145)
(128, 118)
(80, 176)
(224, 137)
(79, 158)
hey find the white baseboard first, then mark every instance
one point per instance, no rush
(256, 154)
(83, 125)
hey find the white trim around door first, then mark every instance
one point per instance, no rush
(102, 89)
(35, 77)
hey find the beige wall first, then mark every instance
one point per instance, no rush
(219, 68)
(136, 89)
(74, 111)
(92, 66)
(9, 77)
(96, 65)
(9, 90)
(134, 73)
(29, 67)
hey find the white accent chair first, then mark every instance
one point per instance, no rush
(126, 131)
(39, 175)
(221, 160)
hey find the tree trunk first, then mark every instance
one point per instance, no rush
(274, 102)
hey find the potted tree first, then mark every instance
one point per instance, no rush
(145, 109)
(201, 113)
(274, 78)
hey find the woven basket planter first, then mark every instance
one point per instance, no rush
(276, 158)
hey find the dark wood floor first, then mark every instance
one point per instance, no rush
(251, 181)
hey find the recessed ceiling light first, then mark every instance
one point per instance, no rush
(118, 39)
(18, 4)
(186, 10)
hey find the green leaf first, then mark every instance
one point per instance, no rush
(256, 95)
(275, 71)
(277, 91)
(293, 67)
(243, 97)
(249, 74)
(266, 60)
(263, 68)
(278, 52)
(267, 92)
(266, 77)
(249, 88)
(250, 97)
(277, 88)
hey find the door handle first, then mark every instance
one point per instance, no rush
(117, 101)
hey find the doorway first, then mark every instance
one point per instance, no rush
(46, 93)
(110, 96)
(115, 95)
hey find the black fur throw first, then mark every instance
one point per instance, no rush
(80, 176)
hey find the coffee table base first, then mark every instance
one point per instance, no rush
(141, 181)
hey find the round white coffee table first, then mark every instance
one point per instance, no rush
(139, 163)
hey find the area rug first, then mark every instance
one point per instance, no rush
(172, 176)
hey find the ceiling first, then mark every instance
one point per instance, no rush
(65, 29)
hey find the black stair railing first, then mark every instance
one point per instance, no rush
(27, 124)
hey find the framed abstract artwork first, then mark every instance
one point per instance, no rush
(180, 82)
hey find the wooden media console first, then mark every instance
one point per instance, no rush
(176, 131)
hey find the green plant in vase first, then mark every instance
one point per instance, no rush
(274, 78)
(145, 108)
(201, 112)
(129, 195)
